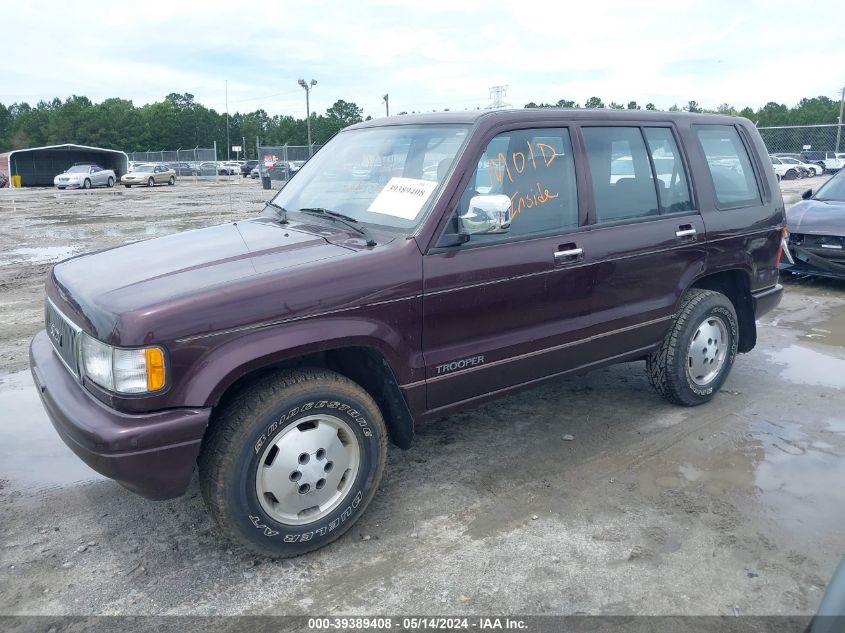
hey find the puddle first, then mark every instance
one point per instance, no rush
(807, 366)
(799, 479)
(38, 255)
(836, 425)
(31, 453)
(829, 332)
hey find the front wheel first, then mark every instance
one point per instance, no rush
(128, 186)
(291, 462)
(697, 354)
(172, 180)
(86, 184)
(151, 182)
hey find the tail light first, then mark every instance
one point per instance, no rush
(783, 247)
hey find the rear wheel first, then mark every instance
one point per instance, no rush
(791, 174)
(697, 354)
(172, 180)
(127, 186)
(110, 183)
(291, 462)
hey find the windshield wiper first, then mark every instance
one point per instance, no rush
(351, 222)
(281, 213)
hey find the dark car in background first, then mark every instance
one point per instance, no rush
(183, 169)
(280, 170)
(817, 231)
(247, 167)
(279, 355)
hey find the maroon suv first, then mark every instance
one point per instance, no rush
(415, 265)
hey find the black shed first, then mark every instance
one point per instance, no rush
(37, 166)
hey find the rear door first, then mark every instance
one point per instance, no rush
(645, 242)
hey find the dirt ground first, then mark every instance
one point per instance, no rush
(587, 495)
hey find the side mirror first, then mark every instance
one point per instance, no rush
(807, 194)
(487, 214)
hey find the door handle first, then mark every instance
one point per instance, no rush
(685, 230)
(568, 253)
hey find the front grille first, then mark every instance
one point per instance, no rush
(828, 246)
(63, 335)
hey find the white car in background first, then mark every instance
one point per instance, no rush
(812, 169)
(229, 168)
(85, 176)
(785, 171)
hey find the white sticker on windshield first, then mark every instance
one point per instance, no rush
(403, 197)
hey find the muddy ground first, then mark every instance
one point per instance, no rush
(735, 507)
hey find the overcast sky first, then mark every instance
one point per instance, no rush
(427, 54)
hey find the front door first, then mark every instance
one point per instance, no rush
(496, 308)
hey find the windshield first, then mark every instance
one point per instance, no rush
(143, 168)
(79, 169)
(833, 189)
(385, 176)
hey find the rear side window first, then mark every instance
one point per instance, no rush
(730, 167)
(623, 183)
(672, 182)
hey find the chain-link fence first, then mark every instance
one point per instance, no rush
(802, 138)
(200, 162)
(281, 161)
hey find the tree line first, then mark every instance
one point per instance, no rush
(180, 122)
(177, 122)
(815, 111)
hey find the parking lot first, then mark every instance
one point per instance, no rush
(587, 495)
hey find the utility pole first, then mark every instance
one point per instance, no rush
(386, 98)
(839, 127)
(308, 87)
(228, 145)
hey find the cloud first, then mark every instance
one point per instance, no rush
(433, 55)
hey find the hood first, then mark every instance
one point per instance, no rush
(193, 270)
(817, 217)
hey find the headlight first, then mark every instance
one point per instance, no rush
(123, 370)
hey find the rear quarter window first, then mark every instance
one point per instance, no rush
(731, 173)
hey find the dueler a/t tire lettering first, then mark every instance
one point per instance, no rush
(249, 423)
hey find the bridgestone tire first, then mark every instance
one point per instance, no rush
(667, 367)
(257, 417)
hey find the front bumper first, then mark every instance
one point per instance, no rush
(151, 454)
(69, 185)
(808, 263)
